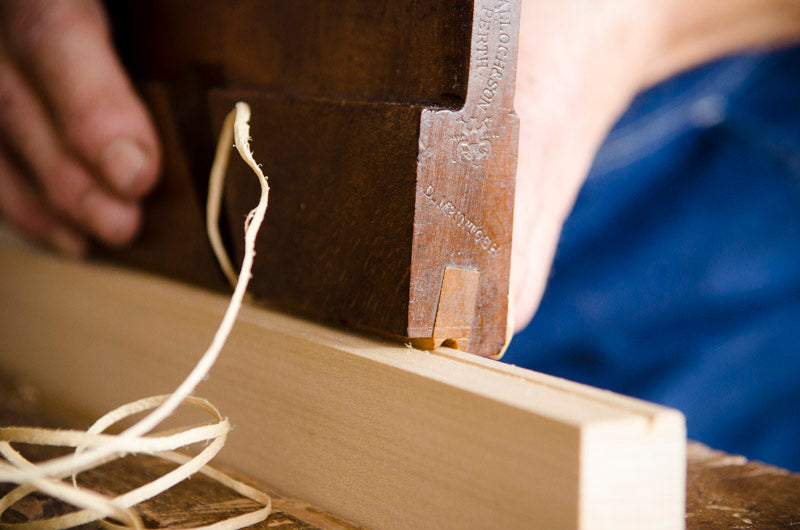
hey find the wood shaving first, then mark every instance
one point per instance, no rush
(93, 447)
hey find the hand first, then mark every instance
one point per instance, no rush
(77, 148)
(580, 64)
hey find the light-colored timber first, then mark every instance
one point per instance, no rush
(379, 433)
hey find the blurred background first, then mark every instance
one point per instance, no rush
(677, 276)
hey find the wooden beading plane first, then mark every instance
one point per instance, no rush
(387, 131)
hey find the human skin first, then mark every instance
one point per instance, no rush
(78, 150)
(580, 64)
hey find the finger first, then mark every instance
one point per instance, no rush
(65, 47)
(21, 205)
(67, 186)
(531, 258)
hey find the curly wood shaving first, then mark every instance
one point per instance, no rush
(93, 448)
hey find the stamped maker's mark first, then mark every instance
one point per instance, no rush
(474, 138)
(472, 229)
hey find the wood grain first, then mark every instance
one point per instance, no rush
(385, 435)
(728, 491)
(191, 503)
(722, 490)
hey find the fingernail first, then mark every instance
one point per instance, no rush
(115, 222)
(68, 242)
(122, 162)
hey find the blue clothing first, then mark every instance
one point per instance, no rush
(677, 276)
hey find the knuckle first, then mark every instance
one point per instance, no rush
(30, 31)
(103, 108)
(85, 117)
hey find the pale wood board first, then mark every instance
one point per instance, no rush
(381, 434)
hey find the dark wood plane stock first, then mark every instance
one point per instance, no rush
(387, 131)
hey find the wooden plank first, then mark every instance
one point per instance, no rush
(22, 404)
(381, 434)
(722, 490)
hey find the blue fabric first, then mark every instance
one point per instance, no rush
(677, 277)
